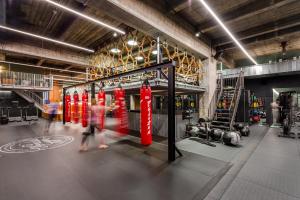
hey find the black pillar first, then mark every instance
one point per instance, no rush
(64, 109)
(93, 92)
(171, 114)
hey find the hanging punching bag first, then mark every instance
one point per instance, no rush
(101, 103)
(84, 111)
(75, 107)
(68, 107)
(146, 114)
(121, 111)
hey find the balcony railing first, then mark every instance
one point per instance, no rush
(28, 81)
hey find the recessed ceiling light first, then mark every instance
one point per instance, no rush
(85, 16)
(208, 8)
(154, 52)
(115, 50)
(132, 42)
(46, 38)
(139, 58)
(115, 34)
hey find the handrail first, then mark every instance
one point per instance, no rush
(31, 97)
(11, 79)
(237, 93)
(237, 85)
(216, 97)
(34, 96)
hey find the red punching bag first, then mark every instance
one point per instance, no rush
(84, 112)
(121, 111)
(101, 103)
(146, 114)
(75, 107)
(68, 107)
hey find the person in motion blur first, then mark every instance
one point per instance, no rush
(95, 125)
(52, 111)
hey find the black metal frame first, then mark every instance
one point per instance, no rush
(171, 99)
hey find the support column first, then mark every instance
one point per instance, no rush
(171, 114)
(210, 81)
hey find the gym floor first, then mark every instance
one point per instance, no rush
(266, 167)
(271, 172)
(123, 171)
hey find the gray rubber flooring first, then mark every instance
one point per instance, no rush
(123, 171)
(223, 152)
(272, 172)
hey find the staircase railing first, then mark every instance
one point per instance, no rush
(216, 97)
(31, 97)
(236, 97)
(27, 81)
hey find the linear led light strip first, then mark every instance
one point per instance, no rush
(46, 38)
(227, 30)
(85, 16)
(42, 67)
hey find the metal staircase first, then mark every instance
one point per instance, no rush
(31, 97)
(227, 102)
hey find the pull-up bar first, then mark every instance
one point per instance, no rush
(171, 98)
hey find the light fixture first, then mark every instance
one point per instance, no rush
(154, 52)
(139, 58)
(46, 38)
(132, 42)
(197, 34)
(85, 16)
(115, 50)
(277, 93)
(115, 34)
(208, 8)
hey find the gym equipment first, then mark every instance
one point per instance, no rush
(68, 107)
(101, 103)
(288, 115)
(216, 134)
(171, 66)
(30, 113)
(146, 114)
(243, 129)
(14, 114)
(198, 132)
(84, 112)
(121, 112)
(75, 107)
(231, 138)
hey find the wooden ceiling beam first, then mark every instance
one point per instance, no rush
(268, 36)
(41, 53)
(248, 10)
(263, 29)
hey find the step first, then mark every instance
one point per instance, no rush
(223, 119)
(220, 127)
(219, 122)
(222, 111)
